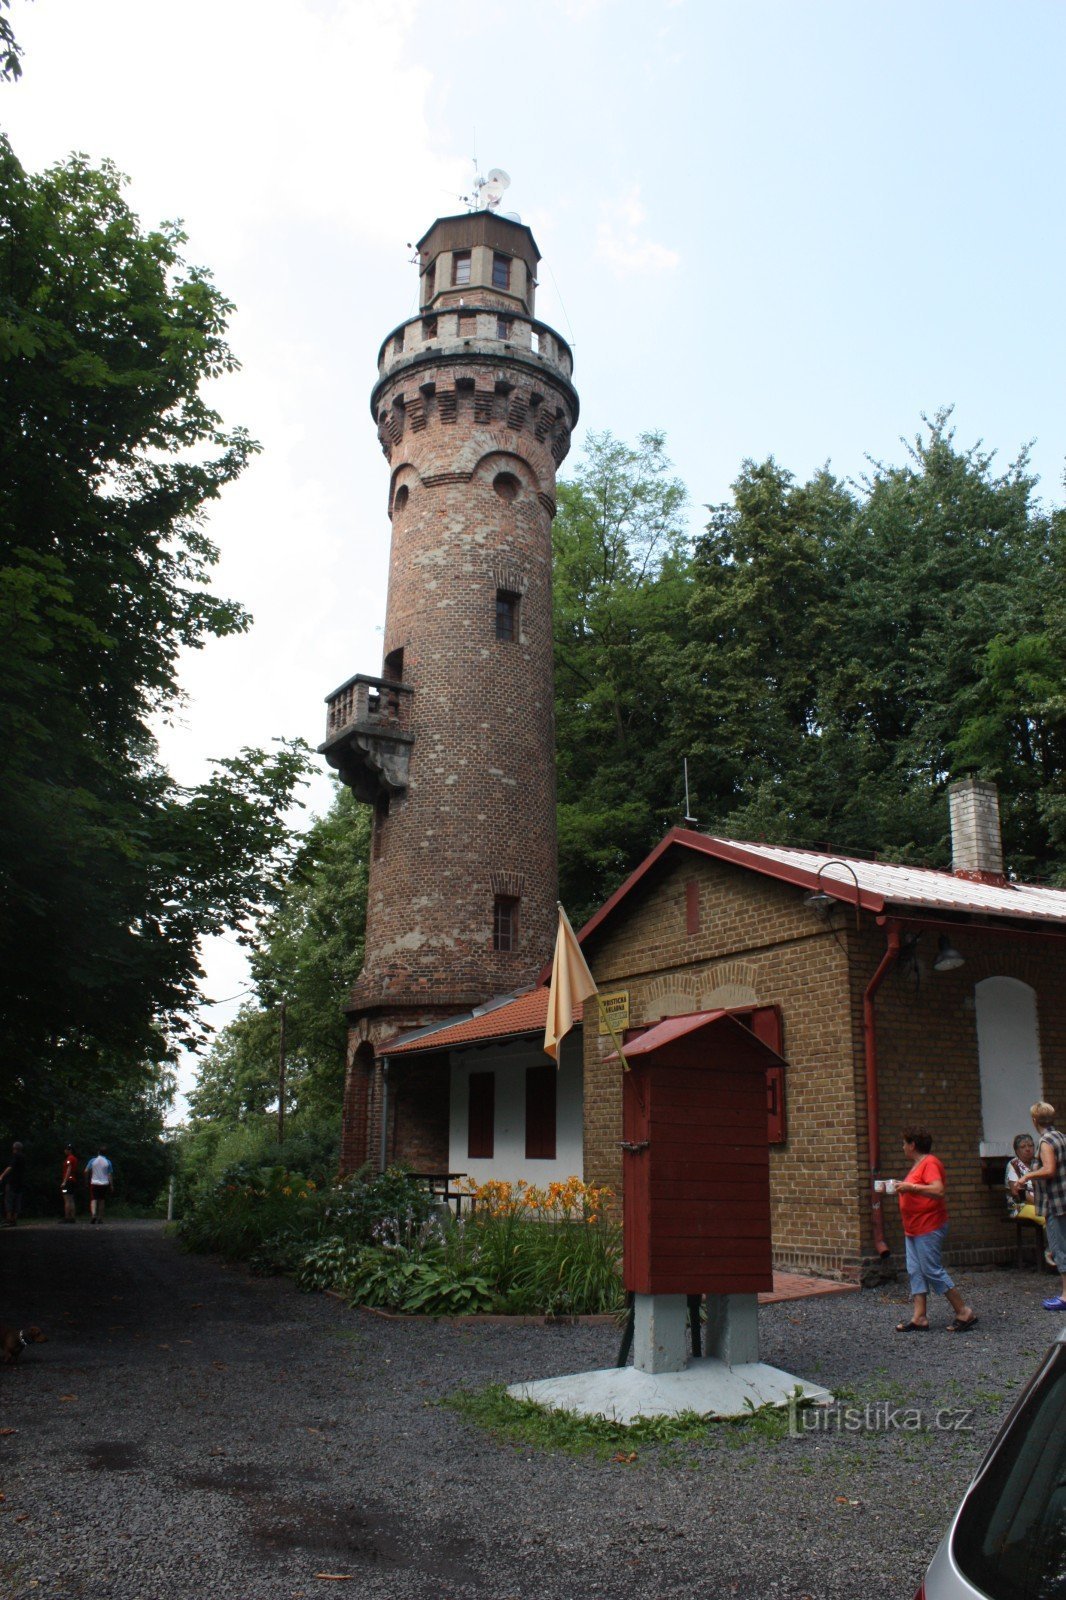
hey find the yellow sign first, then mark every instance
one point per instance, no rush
(614, 1008)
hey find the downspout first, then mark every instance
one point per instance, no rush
(873, 1106)
(384, 1111)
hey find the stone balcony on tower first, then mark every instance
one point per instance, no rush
(367, 740)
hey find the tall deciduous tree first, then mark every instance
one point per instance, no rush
(109, 454)
(621, 583)
(308, 955)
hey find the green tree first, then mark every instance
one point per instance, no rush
(10, 49)
(854, 647)
(761, 606)
(621, 577)
(110, 874)
(308, 953)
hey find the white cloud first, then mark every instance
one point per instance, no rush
(621, 241)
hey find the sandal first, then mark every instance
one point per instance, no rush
(962, 1327)
(913, 1327)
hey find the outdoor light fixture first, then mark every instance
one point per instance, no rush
(947, 957)
(820, 899)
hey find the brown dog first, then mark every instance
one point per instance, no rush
(14, 1340)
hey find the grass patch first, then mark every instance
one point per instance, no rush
(524, 1424)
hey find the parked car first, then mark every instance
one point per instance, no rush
(1008, 1539)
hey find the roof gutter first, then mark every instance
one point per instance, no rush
(873, 1099)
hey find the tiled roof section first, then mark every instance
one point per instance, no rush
(526, 1014)
(874, 885)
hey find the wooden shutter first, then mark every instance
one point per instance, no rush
(540, 1113)
(481, 1115)
(766, 1025)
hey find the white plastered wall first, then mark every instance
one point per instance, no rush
(509, 1063)
(1008, 1047)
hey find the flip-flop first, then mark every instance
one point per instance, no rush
(912, 1327)
(962, 1327)
(1058, 1304)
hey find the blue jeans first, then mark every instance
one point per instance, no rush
(1056, 1240)
(923, 1262)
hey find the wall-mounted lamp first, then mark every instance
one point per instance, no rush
(820, 899)
(947, 957)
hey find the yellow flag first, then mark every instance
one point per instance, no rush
(571, 983)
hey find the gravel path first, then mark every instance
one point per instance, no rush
(189, 1431)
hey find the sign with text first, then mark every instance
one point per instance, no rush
(614, 1008)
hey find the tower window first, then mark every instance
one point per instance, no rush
(381, 813)
(397, 343)
(506, 616)
(461, 268)
(541, 1088)
(431, 277)
(429, 327)
(505, 922)
(506, 485)
(501, 272)
(481, 1115)
(399, 499)
(503, 327)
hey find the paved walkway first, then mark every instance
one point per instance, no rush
(797, 1286)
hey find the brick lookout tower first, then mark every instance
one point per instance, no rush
(454, 744)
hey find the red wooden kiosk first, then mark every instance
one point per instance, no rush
(696, 1160)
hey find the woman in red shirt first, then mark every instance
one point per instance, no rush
(925, 1226)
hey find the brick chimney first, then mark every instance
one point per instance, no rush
(976, 843)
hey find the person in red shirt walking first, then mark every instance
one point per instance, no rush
(924, 1215)
(68, 1184)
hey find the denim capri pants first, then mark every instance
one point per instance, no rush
(923, 1262)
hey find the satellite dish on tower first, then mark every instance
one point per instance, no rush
(490, 189)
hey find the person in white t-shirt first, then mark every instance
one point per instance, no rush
(100, 1176)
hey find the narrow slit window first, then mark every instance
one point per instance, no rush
(429, 327)
(506, 616)
(501, 272)
(503, 327)
(461, 268)
(505, 922)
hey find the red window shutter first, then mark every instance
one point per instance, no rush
(540, 1113)
(766, 1025)
(481, 1116)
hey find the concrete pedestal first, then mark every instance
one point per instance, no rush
(660, 1332)
(729, 1381)
(709, 1388)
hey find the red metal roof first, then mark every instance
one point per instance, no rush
(873, 885)
(671, 1028)
(525, 1014)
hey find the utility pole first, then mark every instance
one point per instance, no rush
(281, 1074)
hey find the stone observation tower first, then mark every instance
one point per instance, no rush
(453, 745)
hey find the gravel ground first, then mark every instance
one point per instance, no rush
(189, 1431)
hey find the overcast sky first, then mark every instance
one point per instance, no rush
(780, 227)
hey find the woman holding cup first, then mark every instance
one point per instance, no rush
(924, 1215)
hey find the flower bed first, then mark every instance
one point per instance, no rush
(383, 1241)
(519, 1250)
